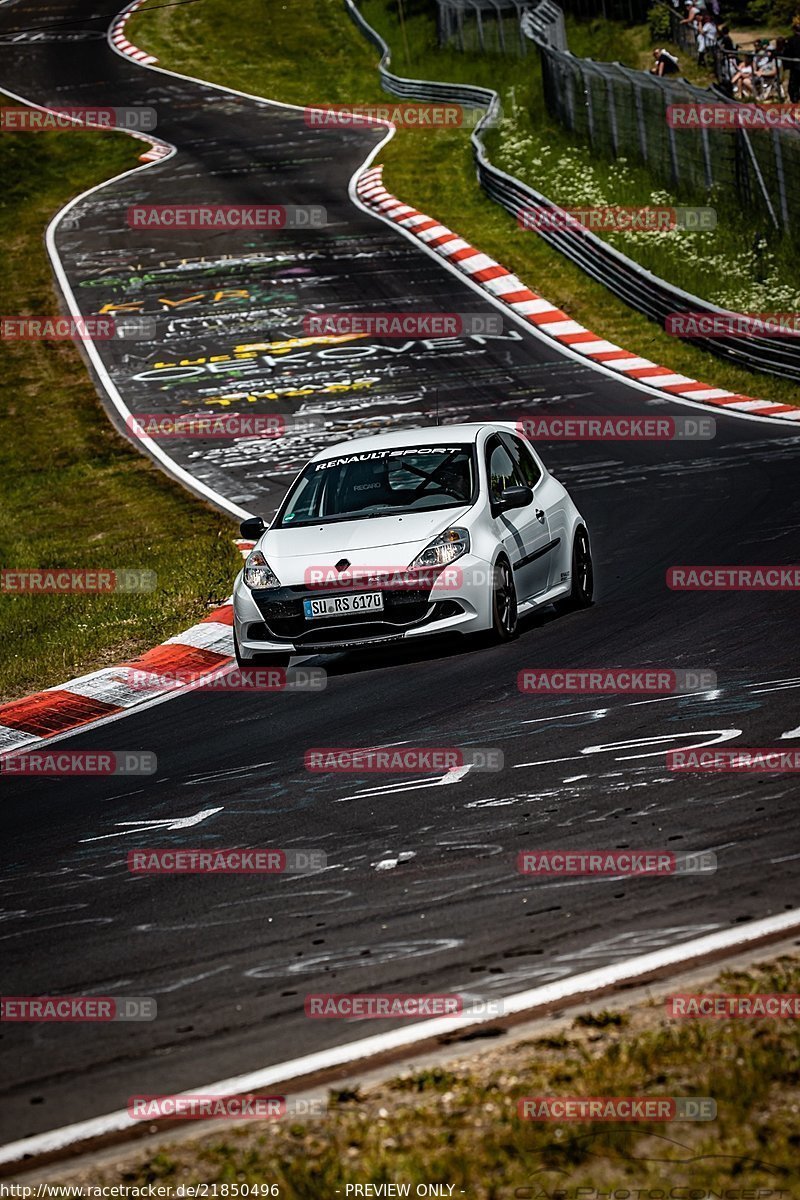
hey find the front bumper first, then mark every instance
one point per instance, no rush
(272, 620)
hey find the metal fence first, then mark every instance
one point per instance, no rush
(482, 26)
(681, 34)
(620, 111)
(625, 278)
(497, 26)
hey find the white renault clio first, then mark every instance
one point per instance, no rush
(456, 528)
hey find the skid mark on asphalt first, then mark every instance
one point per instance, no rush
(30, 932)
(226, 773)
(317, 898)
(618, 947)
(356, 956)
(165, 989)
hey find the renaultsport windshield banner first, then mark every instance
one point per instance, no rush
(378, 455)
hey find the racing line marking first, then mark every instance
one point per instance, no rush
(165, 824)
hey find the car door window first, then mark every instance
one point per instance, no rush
(526, 465)
(501, 469)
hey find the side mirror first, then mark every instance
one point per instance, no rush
(252, 528)
(514, 497)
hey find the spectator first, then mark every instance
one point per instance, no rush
(726, 59)
(725, 40)
(791, 50)
(706, 39)
(765, 71)
(761, 56)
(742, 81)
(664, 63)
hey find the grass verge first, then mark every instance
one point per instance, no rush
(434, 171)
(73, 492)
(457, 1124)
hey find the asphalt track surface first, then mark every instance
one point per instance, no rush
(230, 959)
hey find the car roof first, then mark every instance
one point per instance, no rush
(427, 435)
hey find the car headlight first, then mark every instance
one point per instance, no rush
(258, 573)
(444, 549)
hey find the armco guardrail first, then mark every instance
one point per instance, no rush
(628, 280)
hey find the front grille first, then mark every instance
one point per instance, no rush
(282, 610)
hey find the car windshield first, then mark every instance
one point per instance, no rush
(378, 483)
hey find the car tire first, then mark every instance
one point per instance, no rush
(259, 660)
(505, 617)
(581, 575)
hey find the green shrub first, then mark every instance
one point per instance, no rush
(658, 20)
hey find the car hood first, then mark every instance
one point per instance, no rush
(392, 541)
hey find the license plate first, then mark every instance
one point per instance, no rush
(337, 606)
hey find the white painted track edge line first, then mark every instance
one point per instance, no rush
(601, 978)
